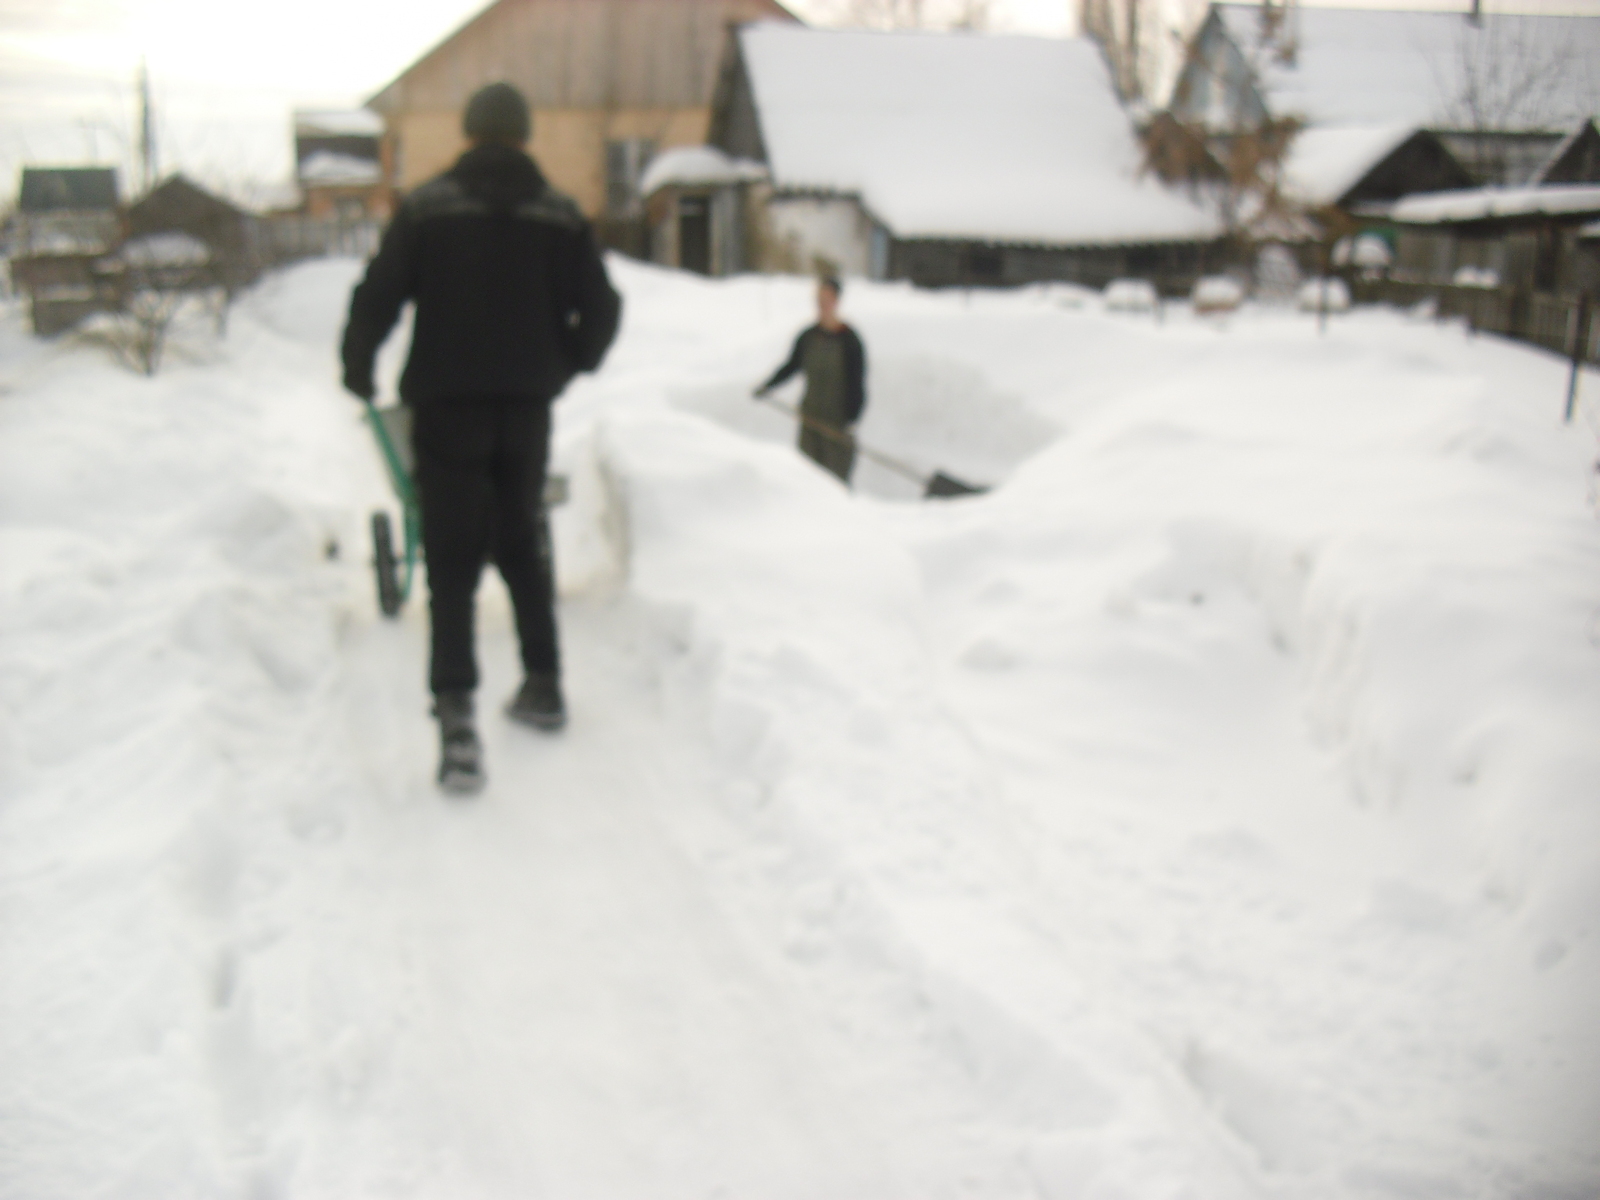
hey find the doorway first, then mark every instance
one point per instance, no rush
(694, 234)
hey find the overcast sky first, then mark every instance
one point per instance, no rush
(226, 75)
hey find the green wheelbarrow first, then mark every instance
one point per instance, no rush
(395, 567)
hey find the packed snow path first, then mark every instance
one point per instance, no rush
(1209, 812)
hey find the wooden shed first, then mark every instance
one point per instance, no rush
(178, 205)
(1523, 240)
(611, 82)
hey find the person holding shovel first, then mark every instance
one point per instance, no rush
(511, 300)
(835, 366)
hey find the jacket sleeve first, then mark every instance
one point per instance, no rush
(591, 309)
(855, 378)
(376, 302)
(792, 366)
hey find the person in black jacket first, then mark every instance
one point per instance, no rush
(835, 366)
(511, 300)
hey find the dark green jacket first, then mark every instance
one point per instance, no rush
(855, 368)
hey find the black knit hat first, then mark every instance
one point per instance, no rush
(497, 113)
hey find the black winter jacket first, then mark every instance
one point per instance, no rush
(511, 296)
(855, 368)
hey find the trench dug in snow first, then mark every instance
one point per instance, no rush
(1202, 813)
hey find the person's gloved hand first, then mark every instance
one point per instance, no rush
(361, 387)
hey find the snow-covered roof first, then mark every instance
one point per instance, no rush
(950, 135)
(353, 122)
(1377, 67)
(1325, 162)
(327, 169)
(1479, 204)
(691, 166)
(1560, 152)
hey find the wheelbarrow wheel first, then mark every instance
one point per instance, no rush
(384, 565)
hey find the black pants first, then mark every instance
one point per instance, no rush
(480, 479)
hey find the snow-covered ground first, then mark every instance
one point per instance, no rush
(1210, 811)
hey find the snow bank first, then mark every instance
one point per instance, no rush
(1208, 810)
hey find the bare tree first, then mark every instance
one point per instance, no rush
(1509, 74)
(163, 275)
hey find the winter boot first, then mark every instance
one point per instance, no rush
(460, 755)
(539, 703)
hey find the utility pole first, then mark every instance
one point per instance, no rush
(1134, 87)
(147, 131)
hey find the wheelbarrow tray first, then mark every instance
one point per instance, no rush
(395, 567)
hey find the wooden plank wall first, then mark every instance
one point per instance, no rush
(592, 69)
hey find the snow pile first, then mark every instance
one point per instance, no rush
(1004, 139)
(1217, 293)
(1131, 295)
(1206, 811)
(1478, 277)
(1324, 295)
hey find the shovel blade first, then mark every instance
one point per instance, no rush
(942, 485)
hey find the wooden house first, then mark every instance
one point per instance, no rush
(948, 159)
(1364, 171)
(67, 224)
(611, 83)
(338, 165)
(1528, 240)
(1522, 262)
(1496, 92)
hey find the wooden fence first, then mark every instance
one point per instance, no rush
(292, 238)
(1568, 325)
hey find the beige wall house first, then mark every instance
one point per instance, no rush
(611, 82)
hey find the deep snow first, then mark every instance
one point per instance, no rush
(1209, 811)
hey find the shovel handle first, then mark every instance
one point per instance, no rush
(844, 439)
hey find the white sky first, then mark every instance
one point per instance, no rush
(226, 75)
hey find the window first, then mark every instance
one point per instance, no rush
(982, 263)
(626, 159)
